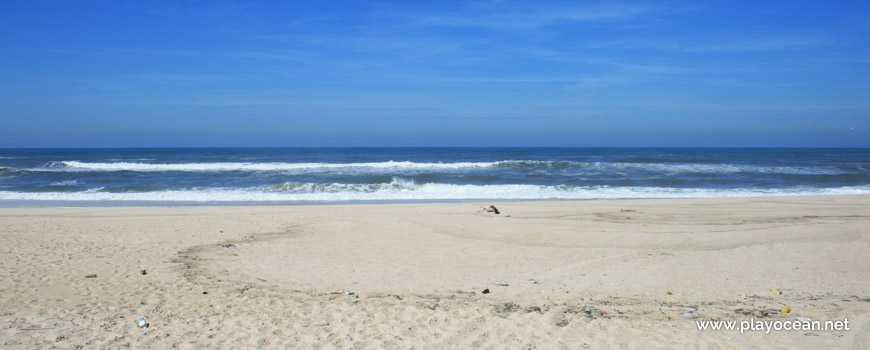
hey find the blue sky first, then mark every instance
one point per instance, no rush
(490, 73)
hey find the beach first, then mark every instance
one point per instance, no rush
(591, 274)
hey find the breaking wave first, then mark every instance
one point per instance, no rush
(400, 189)
(126, 166)
(520, 165)
(9, 171)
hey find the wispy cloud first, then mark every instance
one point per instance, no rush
(765, 106)
(526, 17)
(621, 73)
(760, 44)
(205, 102)
(278, 55)
(533, 80)
(184, 79)
(714, 43)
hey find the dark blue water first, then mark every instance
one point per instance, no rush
(354, 174)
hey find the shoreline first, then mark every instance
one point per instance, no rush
(564, 274)
(40, 203)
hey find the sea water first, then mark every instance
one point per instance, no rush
(316, 175)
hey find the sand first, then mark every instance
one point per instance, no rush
(560, 274)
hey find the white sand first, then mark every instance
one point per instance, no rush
(590, 274)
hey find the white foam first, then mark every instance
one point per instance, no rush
(127, 166)
(580, 168)
(397, 191)
(718, 168)
(65, 183)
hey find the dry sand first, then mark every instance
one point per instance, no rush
(587, 274)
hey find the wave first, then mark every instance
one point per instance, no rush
(666, 160)
(65, 183)
(8, 171)
(575, 168)
(190, 167)
(720, 168)
(407, 190)
(664, 166)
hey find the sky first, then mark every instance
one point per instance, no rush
(489, 73)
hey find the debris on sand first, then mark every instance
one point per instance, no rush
(491, 209)
(531, 309)
(692, 314)
(322, 324)
(507, 307)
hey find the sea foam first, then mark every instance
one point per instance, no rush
(292, 192)
(579, 168)
(127, 166)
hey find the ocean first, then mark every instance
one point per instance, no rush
(352, 175)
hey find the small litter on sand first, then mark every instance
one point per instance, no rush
(507, 308)
(485, 291)
(491, 209)
(692, 314)
(316, 324)
(93, 275)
